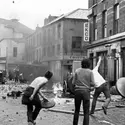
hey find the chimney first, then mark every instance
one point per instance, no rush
(14, 20)
(37, 28)
(49, 19)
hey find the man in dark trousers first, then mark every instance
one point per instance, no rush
(31, 97)
(82, 81)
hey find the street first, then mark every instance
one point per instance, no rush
(14, 113)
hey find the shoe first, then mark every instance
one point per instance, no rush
(104, 110)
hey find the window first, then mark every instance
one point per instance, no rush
(44, 52)
(94, 2)
(95, 34)
(94, 28)
(15, 52)
(76, 42)
(53, 50)
(116, 18)
(104, 24)
(59, 31)
(48, 52)
(40, 38)
(58, 49)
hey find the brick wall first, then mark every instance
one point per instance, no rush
(109, 6)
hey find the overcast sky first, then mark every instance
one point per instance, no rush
(33, 12)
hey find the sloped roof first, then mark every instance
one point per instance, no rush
(17, 26)
(76, 14)
(18, 40)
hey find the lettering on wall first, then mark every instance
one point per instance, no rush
(86, 32)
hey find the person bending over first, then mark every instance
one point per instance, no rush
(31, 96)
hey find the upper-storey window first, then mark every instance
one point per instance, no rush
(94, 2)
(94, 28)
(59, 30)
(104, 24)
(116, 18)
(14, 51)
(76, 42)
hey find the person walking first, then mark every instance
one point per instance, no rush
(31, 96)
(82, 81)
(101, 85)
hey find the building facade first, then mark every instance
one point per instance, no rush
(58, 43)
(107, 36)
(14, 51)
(12, 43)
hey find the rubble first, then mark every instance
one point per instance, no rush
(8, 88)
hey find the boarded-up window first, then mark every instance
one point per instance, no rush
(76, 42)
(15, 52)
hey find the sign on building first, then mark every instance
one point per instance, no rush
(86, 32)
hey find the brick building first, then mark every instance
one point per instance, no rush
(59, 42)
(107, 36)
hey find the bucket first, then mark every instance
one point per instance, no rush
(119, 88)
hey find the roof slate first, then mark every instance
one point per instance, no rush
(75, 14)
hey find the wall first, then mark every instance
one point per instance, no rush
(109, 6)
(72, 28)
(6, 47)
(9, 32)
(5, 32)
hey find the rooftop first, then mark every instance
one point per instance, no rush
(17, 26)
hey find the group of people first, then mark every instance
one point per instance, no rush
(84, 81)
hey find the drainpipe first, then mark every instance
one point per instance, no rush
(6, 66)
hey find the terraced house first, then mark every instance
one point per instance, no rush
(107, 36)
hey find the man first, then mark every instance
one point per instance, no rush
(101, 85)
(31, 97)
(82, 81)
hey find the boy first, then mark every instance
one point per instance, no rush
(31, 97)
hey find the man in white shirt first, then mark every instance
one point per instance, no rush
(101, 85)
(31, 97)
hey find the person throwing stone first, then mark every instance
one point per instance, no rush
(101, 85)
(31, 97)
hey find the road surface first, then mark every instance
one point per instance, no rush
(12, 112)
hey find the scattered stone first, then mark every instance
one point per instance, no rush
(67, 101)
(3, 97)
(10, 120)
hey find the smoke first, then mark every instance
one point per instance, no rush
(57, 89)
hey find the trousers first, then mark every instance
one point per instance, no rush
(105, 88)
(84, 97)
(34, 106)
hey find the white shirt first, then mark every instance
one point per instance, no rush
(99, 80)
(38, 81)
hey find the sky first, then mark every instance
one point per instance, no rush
(33, 12)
